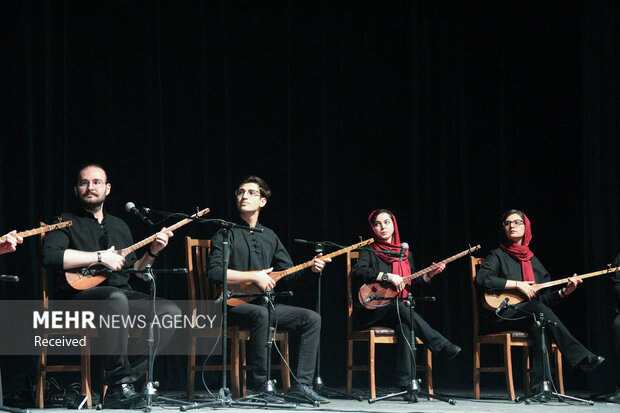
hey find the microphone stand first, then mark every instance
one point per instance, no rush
(317, 384)
(223, 398)
(546, 389)
(8, 278)
(149, 394)
(150, 389)
(413, 389)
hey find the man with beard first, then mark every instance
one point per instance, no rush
(96, 236)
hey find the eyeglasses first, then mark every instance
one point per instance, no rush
(250, 192)
(95, 182)
(517, 223)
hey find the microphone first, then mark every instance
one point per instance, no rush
(131, 207)
(403, 250)
(502, 306)
(9, 278)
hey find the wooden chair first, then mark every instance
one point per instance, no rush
(374, 335)
(43, 365)
(200, 288)
(508, 340)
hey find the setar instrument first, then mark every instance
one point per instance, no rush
(381, 293)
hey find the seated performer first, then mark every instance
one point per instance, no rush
(513, 266)
(96, 236)
(615, 396)
(374, 267)
(10, 244)
(253, 255)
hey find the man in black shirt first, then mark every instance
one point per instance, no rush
(96, 237)
(253, 255)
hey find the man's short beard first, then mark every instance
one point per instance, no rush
(92, 206)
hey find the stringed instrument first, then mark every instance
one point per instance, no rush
(493, 299)
(40, 230)
(382, 293)
(80, 281)
(251, 288)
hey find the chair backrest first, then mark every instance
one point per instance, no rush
(474, 264)
(351, 256)
(199, 287)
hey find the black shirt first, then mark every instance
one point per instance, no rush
(499, 266)
(87, 234)
(250, 251)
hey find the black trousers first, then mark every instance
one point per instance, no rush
(572, 349)
(387, 316)
(119, 367)
(306, 324)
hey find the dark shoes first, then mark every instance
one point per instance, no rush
(613, 397)
(122, 396)
(590, 362)
(301, 393)
(450, 350)
(542, 398)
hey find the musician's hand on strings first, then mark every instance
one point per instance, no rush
(526, 288)
(161, 240)
(573, 282)
(112, 258)
(397, 281)
(319, 263)
(263, 280)
(439, 268)
(11, 242)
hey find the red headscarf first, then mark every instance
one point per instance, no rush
(522, 252)
(401, 268)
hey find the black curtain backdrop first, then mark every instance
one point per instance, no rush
(446, 113)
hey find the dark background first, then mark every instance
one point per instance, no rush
(446, 113)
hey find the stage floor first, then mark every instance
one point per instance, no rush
(492, 403)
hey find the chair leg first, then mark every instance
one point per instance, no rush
(191, 372)
(85, 371)
(234, 365)
(243, 370)
(508, 369)
(527, 381)
(429, 370)
(476, 371)
(286, 376)
(40, 394)
(558, 370)
(371, 366)
(349, 366)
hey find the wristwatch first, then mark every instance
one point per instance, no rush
(99, 258)
(385, 276)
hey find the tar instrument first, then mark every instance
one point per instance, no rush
(381, 293)
(42, 229)
(250, 288)
(78, 280)
(493, 299)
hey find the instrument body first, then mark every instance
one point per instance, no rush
(79, 281)
(493, 299)
(41, 230)
(251, 288)
(380, 294)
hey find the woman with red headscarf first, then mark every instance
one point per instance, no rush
(372, 267)
(513, 266)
